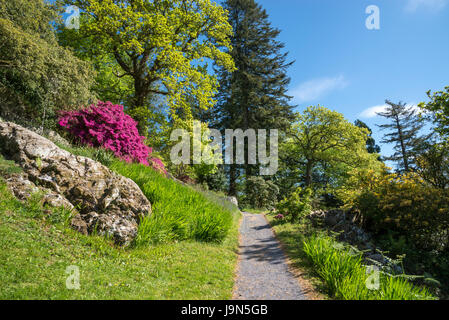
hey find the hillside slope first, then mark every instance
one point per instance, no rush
(37, 246)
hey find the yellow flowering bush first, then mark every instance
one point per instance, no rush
(405, 205)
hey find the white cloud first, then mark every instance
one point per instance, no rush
(314, 89)
(434, 5)
(372, 112)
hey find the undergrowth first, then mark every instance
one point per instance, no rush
(347, 278)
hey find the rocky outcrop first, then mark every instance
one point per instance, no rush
(233, 200)
(22, 188)
(344, 223)
(105, 202)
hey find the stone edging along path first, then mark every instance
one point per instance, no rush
(263, 272)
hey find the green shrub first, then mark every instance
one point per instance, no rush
(406, 215)
(346, 278)
(217, 181)
(179, 212)
(260, 193)
(38, 76)
(297, 205)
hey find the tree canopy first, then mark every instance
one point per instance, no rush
(37, 76)
(255, 95)
(371, 145)
(164, 47)
(320, 136)
(438, 107)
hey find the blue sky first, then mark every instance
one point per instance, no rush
(342, 65)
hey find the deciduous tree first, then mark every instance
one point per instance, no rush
(438, 107)
(164, 46)
(320, 135)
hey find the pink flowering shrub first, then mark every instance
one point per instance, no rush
(157, 164)
(106, 125)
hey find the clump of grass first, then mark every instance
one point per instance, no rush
(179, 212)
(104, 156)
(346, 278)
(8, 167)
(218, 198)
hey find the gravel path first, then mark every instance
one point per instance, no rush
(263, 272)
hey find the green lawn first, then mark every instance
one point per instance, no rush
(36, 247)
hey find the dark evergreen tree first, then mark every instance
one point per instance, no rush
(255, 96)
(371, 145)
(217, 181)
(404, 129)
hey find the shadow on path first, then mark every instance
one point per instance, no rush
(263, 272)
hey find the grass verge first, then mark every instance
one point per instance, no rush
(347, 279)
(337, 271)
(35, 253)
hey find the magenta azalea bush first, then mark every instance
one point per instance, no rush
(106, 125)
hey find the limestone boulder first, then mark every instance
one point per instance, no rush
(233, 200)
(106, 202)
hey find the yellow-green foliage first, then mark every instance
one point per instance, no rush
(198, 138)
(439, 106)
(404, 204)
(320, 135)
(163, 45)
(360, 180)
(296, 205)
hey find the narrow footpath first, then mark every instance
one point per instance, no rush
(263, 272)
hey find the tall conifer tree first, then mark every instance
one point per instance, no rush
(371, 145)
(255, 96)
(404, 130)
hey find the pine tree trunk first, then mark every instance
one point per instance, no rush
(232, 180)
(401, 139)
